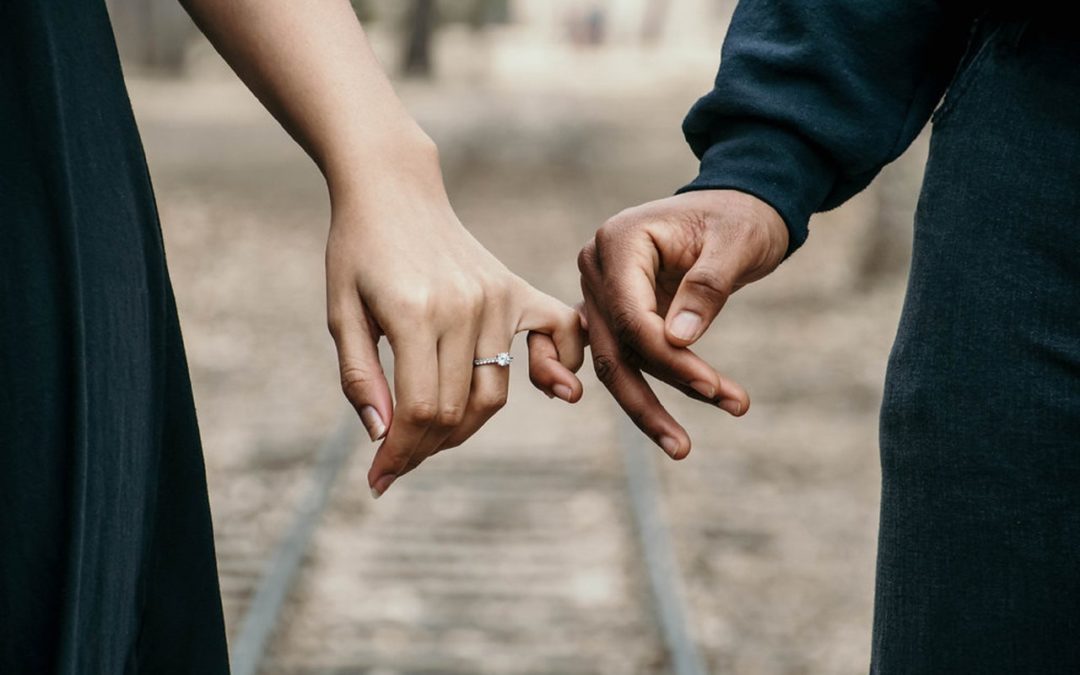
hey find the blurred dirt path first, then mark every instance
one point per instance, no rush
(514, 554)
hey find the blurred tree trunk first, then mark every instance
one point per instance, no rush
(420, 28)
(151, 33)
(656, 12)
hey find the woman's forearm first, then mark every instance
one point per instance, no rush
(399, 263)
(310, 64)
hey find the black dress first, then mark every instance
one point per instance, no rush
(106, 547)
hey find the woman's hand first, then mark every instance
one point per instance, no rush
(399, 263)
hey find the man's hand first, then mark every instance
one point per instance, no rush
(654, 277)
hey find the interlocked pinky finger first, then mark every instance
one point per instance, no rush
(547, 373)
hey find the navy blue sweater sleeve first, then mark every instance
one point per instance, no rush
(814, 97)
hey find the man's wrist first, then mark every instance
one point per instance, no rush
(758, 218)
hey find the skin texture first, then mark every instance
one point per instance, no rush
(654, 277)
(399, 263)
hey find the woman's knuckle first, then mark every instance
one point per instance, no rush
(335, 326)
(493, 401)
(475, 296)
(414, 300)
(453, 307)
(497, 292)
(458, 302)
(355, 379)
(420, 412)
(450, 415)
(399, 458)
(451, 444)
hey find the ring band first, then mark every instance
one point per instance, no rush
(501, 359)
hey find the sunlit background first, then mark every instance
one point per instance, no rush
(517, 553)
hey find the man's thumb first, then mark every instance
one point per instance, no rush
(702, 293)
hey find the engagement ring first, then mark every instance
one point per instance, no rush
(501, 359)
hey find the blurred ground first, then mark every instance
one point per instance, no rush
(514, 554)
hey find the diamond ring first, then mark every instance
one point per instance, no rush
(501, 359)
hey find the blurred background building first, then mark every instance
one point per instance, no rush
(517, 553)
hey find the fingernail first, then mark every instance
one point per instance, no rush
(732, 406)
(382, 485)
(704, 388)
(562, 391)
(686, 325)
(373, 422)
(670, 445)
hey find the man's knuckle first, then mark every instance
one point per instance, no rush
(613, 233)
(606, 367)
(632, 358)
(639, 419)
(628, 217)
(626, 324)
(587, 257)
(709, 281)
(604, 235)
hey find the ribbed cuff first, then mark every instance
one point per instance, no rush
(772, 164)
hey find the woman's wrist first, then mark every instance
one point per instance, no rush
(372, 163)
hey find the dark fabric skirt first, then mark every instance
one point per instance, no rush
(979, 550)
(106, 546)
